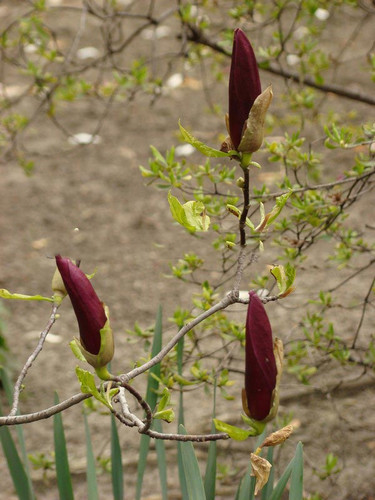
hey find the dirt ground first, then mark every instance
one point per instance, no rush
(125, 231)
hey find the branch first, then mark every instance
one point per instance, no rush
(40, 415)
(229, 299)
(195, 35)
(31, 359)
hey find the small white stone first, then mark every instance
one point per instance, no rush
(30, 48)
(184, 150)
(174, 81)
(159, 32)
(84, 138)
(301, 32)
(322, 14)
(292, 59)
(87, 53)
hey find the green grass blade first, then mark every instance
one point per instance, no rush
(280, 486)
(210, 475)
(296, 480)
(162, 460)
(247, 485)
(142, 461)
(193, 476)
(116, 461)
(64, 480)
(19, 429)
(181, 421)
(92, 485)
(246, 488)
(151, 398)
(267, 490)
(15, 466)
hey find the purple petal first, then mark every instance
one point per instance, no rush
(260, 367)
(88, 308)
(244, 85)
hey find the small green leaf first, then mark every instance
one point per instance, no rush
(284, 277)
(88, 386)
(200, 146)
(165, 400)
(76, 350)
(5, 294)
(234, 432)
(167, 415)
(192, 215)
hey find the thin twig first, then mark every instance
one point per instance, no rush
(31, 359)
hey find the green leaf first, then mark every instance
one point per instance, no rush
(92, 485)
(267, 219)
(88, 386)
(181, 421)
(234, 432)
(200, 146)
(116, 462)
(76, 350)
(192, 214)
(64, 480)
(19, 429)
(5, 294)
(151, 399)
(196, 215)
(296, 480)
(281, 484)
(284, 277)
(162, 460)
(247, 486)
(167, 415)
(210, 474)
(267, 490)
(194, 483)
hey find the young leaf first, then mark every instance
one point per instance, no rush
(5, 294)
(200, 146)
(284, 277)
(234, 432)
(88, 386)
(192, 214)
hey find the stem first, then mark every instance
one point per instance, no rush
(31, 359)
(229, 299)
(245, 210)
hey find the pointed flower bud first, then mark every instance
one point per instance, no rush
(245, 95)
(96, 340)
(262, 365)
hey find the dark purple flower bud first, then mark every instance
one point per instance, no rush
(244, 85)
(260, 369)
(88, 308)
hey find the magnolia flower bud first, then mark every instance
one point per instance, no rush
(247, 103)
(96, 339)
(263, 365)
